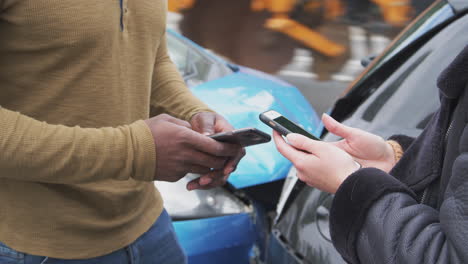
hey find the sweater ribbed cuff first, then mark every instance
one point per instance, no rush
(353, 199)
(144, 162)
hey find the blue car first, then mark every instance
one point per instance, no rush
(229, 224)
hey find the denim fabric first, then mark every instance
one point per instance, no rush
(158, 245)
(10, 256)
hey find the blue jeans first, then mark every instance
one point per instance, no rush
(158, 245)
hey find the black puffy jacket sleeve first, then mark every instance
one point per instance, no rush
(376, 219)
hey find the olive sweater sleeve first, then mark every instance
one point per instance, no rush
(169, 93)
(40, 152)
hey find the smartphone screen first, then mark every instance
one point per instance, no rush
(294, 128)
(283, 125)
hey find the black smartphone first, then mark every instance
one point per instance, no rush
(283, 125)
(245, 136)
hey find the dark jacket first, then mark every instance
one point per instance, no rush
(419, 212)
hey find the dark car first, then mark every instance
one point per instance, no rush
(397, 94)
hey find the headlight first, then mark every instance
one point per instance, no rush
(183, 204)
(288, 186)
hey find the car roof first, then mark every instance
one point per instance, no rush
(458, 5)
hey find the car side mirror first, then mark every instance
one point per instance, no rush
(367, 60)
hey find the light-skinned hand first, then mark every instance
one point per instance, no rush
(368, 149)
(319, 164)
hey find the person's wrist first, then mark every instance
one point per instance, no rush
(349, 171)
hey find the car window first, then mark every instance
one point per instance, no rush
(438, 14)
(405, 101)
(396, 89)
(194, 66)
(416, 35)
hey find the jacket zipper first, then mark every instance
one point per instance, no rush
(448, 133)
(425, 195)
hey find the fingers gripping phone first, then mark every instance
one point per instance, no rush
(283, 125)
(245, 137)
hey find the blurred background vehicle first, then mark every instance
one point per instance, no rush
(297, 18)
(397, 94)
(252, 24)
(229, 224)
(254, 33)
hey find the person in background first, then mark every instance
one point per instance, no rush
(79, 151)
(358, 12)
(409, 201)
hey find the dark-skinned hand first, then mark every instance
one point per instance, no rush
(181, 150)
(208, 123)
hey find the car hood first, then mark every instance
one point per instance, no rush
(240, 97)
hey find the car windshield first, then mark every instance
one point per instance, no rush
(438, 14)
(195, 66)
(407, 95)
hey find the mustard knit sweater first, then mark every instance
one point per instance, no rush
(76, 161)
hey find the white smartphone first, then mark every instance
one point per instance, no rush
(283, 125)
